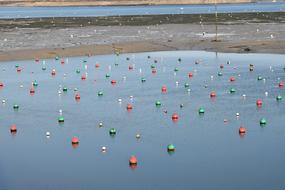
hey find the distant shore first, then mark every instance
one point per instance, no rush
(112, 2)
(49, 37)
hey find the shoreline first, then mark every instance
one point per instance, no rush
(139, 47)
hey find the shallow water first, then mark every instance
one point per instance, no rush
(210, 154)
(36, 12)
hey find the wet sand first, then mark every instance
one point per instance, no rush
(50, 37)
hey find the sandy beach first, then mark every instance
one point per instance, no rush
(50, 37)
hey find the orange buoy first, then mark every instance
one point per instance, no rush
(75, 140)
(129, 106)
(77, 97)
(83, 77)
(163, 89)
(133, 160)
(259, 103)
(281, 84)
(97, 65)
(190, 75)
(242, 130)
(232, 79)
(213, 94)
(175, 116)
(113, 82)
(13, 128)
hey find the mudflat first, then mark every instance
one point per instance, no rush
(49, 37)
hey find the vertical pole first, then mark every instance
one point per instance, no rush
(216, 16)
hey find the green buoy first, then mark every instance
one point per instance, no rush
(77, 71)
(170, 148)
(152, 66)
(35, 83)
(259, 78)
(60, 119)
(107, 76)
(220, 74)
(56, 58)
(143, 79)
(176, 69)
(17, 66)
(64, 89)
(263, 121)
(279, 98)
(44, 68)
(158, 103)
(201, 111)
(16, 106)
(100, 93)
(186, 85)
(232, 90)
(112, 131)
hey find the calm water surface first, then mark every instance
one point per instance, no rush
(35, 12)
(210, 154)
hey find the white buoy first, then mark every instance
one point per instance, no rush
(138, 136)
(48, 134)
(103, 149)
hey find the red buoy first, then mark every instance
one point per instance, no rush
(53, 72)
(281, 84)
(75, 140)
(97, 65)
(37, 60)
(83, 77)
(153, 71)
(113, 82)
(163, 89)
(129, 106)
(62, 61)
(213, 94)
(259, 103)
(175, 116)
(232, 79)
(221, 66)
(242, 130)
(133, 160)
(13, 128)
(19, 69)
(1, 84)
(32, 90)
(190, 75)
(77, 97)
(131, 67)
